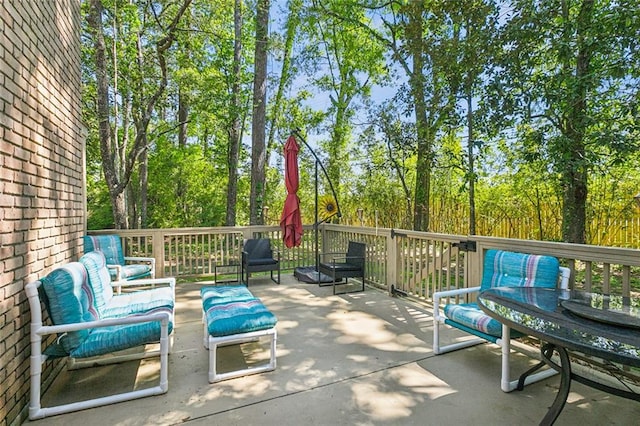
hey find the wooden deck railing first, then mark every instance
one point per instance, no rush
(410, 262)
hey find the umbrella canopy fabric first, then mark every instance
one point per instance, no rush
(290, 221)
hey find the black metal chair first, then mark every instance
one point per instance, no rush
(257, 256)
(345, 265)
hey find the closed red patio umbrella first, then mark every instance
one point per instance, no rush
(290, 221)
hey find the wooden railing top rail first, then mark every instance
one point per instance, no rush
(396, 257)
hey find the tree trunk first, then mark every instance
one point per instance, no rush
(471, 170)
(575, 122)
(292, 24)
(181, 184)
(258, 130)
(107, 146)
(118, 165)
(144, 190)
(235, 122)
(416, 81)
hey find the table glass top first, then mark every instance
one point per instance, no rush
(541, 313)
(618, 310)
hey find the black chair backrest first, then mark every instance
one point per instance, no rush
(259, 248)
(357, 250)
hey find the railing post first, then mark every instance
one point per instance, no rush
(157, 243)
(392, 263)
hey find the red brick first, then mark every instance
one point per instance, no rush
(41, 141)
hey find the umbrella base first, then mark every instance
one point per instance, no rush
(308, 274)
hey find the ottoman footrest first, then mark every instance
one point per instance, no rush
(232, 315)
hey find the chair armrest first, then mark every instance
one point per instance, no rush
(450, 293)
(345, 258)
(151, 260)
(334, 255)
(118, 269)
(171, 281)
(140, 259)
(133, 319)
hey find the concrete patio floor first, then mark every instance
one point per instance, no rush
(355, 359)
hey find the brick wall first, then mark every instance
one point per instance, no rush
(41, 170)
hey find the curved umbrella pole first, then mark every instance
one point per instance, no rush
(338, 213)
(296, 132)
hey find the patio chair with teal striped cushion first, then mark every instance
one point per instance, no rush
(121, 267)
(501, 268)
(89, 325)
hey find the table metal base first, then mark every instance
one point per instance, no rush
(566, 375)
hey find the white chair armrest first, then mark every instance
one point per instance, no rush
(171, 281)
(450, 293)
(118, 269)
(140, 259)
(134, 319)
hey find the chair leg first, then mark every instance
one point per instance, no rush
(508, 385)
(346, 283)
(505, 346)
(272, 279)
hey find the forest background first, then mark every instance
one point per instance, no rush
(507, 118)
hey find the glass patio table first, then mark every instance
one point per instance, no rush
(598, 325)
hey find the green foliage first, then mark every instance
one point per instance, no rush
(514, 65)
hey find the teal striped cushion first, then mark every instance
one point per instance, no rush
(104, 340)
(503, 268)
(139, 301)
(69, 299)
(470, 315)
(218, 294)
(234, 310)
(99, 279)
(238, 317)
(134, 271)
(110, 245)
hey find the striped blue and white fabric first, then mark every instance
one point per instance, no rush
(504, 269)
(510, 269)
(70, 299)
(110, 305)
(232, 310)
(110, 245)
(104, 340)
(98, 278)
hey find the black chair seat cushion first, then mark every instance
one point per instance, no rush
(341, 267)
(261, 261)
